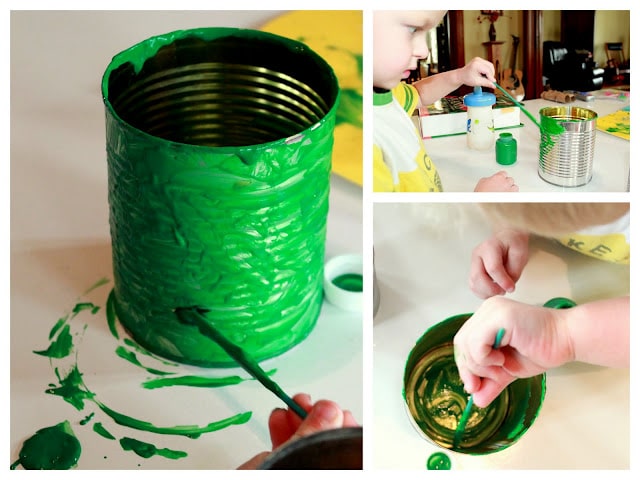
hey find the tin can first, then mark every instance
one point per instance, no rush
(219, 145)
(566, 159)
(435, 397)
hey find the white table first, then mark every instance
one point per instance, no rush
(422, 254)
(460, 168)
(60, 246)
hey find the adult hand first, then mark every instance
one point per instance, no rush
(285, 426)
(498, 262)
(498, 182)
(535, 340)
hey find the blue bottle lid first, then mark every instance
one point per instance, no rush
(479, 98)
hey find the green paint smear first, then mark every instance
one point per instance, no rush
(239, 230)
(439, 461)
(147, 450)
(131, 357)
(130, 343)
(351, 282)
(190, 431)
(61, 346)
(73, 390)
(103, 432)
(50, 448)
(193, 381)
(111, 315)
(350, 107)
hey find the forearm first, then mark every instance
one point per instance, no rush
(599, 331)
(433, 88)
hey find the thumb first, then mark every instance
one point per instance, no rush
(325, 415)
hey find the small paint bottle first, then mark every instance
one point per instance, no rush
(479, 119)
(506, 149)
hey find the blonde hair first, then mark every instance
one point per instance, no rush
(552, 219)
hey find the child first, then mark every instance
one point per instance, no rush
(285, 426)
(538, 338)
(400, 162)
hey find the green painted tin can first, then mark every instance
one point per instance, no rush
(219, 146)
(435, 397)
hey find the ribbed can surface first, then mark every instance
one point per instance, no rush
(219, 148)
(566, 159)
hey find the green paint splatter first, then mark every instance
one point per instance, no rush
(103, 432)
(61, 346)
(87, 419)
(439, 461)
(50, 448)
(111, 315)
(147, 450)
(70, 389)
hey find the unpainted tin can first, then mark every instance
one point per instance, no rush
(566, 159)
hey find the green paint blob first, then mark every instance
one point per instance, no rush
(50, 448)
(352, 282)
(147, 450)
(439, 461)
(71, 389)
(227, 214)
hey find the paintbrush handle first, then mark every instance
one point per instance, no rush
(526, 112)
(193, 317)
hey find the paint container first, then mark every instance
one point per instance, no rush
(219, 148)
(566, 159)
(435, 397)
(338, 449)
(343, 282)
(479, 119)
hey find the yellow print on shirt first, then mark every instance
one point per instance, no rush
(611, 248)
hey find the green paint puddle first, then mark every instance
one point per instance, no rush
(351, 282)
(50, 448)
(439, 461)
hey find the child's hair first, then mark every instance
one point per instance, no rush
(553, 219)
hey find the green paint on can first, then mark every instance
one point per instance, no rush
(351, 282)
(50, 448)
(439, 461)
(219, 199)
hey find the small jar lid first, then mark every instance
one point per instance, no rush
(479, 98)
(343, 282)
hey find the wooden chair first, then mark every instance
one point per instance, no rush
(617, 63)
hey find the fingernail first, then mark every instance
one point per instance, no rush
(327, 411)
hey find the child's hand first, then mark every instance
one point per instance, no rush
(498, 182)
(285, 426)
(498, 262)
(478, 72)
(534, 341)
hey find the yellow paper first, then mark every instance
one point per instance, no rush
(335, 35)
(617, 123)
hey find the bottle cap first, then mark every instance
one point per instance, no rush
(506, 149)
(479, 98)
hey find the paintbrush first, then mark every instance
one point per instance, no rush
(554, 128)
(464, 418)
(195, 316)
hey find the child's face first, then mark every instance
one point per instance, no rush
(399, 42)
